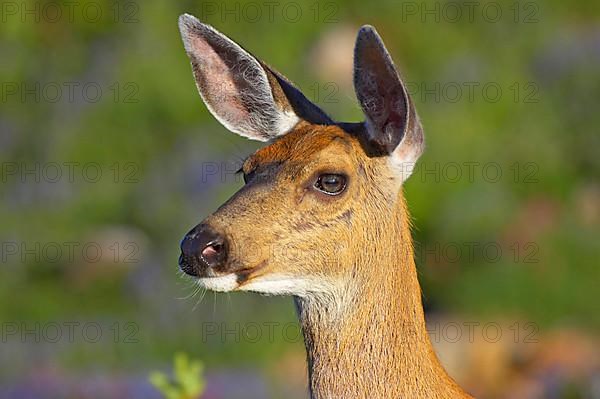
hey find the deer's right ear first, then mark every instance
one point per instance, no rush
(393, 126)
(245, 95)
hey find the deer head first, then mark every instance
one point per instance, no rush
(318, 194)
(321, 217)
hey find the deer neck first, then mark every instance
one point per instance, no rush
(370, 340)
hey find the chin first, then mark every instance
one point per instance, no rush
(226, 283)
(271, 284)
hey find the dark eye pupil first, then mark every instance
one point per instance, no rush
(331, 183)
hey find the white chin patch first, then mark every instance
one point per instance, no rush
(221, 284)
(282, 284)
(273, 284)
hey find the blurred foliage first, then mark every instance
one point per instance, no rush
(187, 382)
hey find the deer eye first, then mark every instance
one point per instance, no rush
(330, 183)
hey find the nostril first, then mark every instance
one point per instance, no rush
(212, 253)
(209, 251)
(212, 250)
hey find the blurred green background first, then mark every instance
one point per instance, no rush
(109, 157)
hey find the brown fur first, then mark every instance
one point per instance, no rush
(346, 258)
(368, 340)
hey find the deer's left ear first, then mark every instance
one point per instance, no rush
(393, 126)
(242, 92)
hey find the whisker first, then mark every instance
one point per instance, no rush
(214, 304)
(190, 295)
(189, 284)
(199, 299)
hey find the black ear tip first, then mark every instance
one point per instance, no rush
(367, 28)
(367, 32)
(368, 36)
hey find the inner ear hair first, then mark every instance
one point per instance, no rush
(245, 95)
(392, 126)
(380, 91)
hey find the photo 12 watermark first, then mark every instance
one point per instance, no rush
(68, 332)
(447, 331)
(69, 172)
(66, 252)
(526, 172)
(490, 12)
(250, 332)
(69, 92)
(451, 92)
(69, 12)
(466, 171)
(251, 12)
(488, 252)
(489, 332)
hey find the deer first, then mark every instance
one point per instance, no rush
(321, 217)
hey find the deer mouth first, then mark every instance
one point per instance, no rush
(249, 273)
(233, 280)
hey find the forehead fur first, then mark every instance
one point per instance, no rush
(301, 143)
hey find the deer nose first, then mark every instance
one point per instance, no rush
(202, 249)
